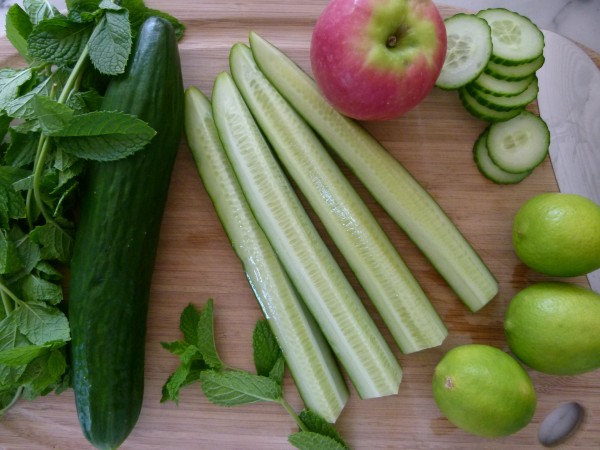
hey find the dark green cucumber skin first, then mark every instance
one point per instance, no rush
(122, 206)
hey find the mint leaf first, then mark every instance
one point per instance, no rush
(22, 148)
(83, 10)
(23, 106)
(10, 82)
(36, 289)
(22, 355)
(206, 336)
(265, 347)
(110, 43)
(57, 364)
(41, 323)
(104, 135)
(39, 10)
(12, 204)
(18, 28)
(52, 116)
(188, 324)
(315, 423)
(278, 370)
(55, 244)
(308, 440)
(10, 260)
(232, 388)
(58, 40)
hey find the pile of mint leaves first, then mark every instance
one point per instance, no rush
(51, 124)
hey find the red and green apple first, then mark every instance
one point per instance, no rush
(377, 59)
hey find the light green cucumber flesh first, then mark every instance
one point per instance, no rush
(515, 38)
(519, 144)
(490, 170)
(345, 322)
(400, 300)
(502, 103)
(389, 182)
(307, 354)
(468, 51)
(483, 112)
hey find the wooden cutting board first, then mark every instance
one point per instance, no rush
(195, 262)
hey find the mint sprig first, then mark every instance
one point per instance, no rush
(227, 386)
(51, 125)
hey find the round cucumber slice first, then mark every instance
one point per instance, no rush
(487, 167)
(468, 51)
(519, 144)
(515, 38)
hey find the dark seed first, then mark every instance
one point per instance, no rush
(560, 423)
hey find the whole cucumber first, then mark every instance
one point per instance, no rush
(122, 206)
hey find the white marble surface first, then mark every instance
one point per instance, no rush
(578, 20)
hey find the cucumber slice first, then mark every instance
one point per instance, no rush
(306, 352)
(505, 103)
(468, 51)
(387, 180)
(346, 324)
(514, 73)
(515, 38)
(520, 144)
(487, 167)
(495, 86)
(473, 106)
(400, 300)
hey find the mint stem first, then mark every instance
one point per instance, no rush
(293, 414)
(44, 146)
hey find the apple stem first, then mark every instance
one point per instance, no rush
(392, 41)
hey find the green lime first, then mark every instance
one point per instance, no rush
(554, 328)
(558, 234)
(483, 390)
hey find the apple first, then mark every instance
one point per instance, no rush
(377, 59)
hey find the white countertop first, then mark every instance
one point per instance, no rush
(578, 20)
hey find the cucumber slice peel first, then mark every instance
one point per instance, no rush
(514, 73)
(306, 352)
(468, 51)
(505, 103)
(483, 112)
(495, 86)
(387, 180)
(487, 167)
(401, 302)
(346, 324)
(519, 144)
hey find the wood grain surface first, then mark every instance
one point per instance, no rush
(195, 262)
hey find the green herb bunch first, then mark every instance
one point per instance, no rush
(227, 386)
(51, 124)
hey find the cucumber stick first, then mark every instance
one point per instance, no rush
(345, 322)
(404, 307)
(387, 180)
(306, 352)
